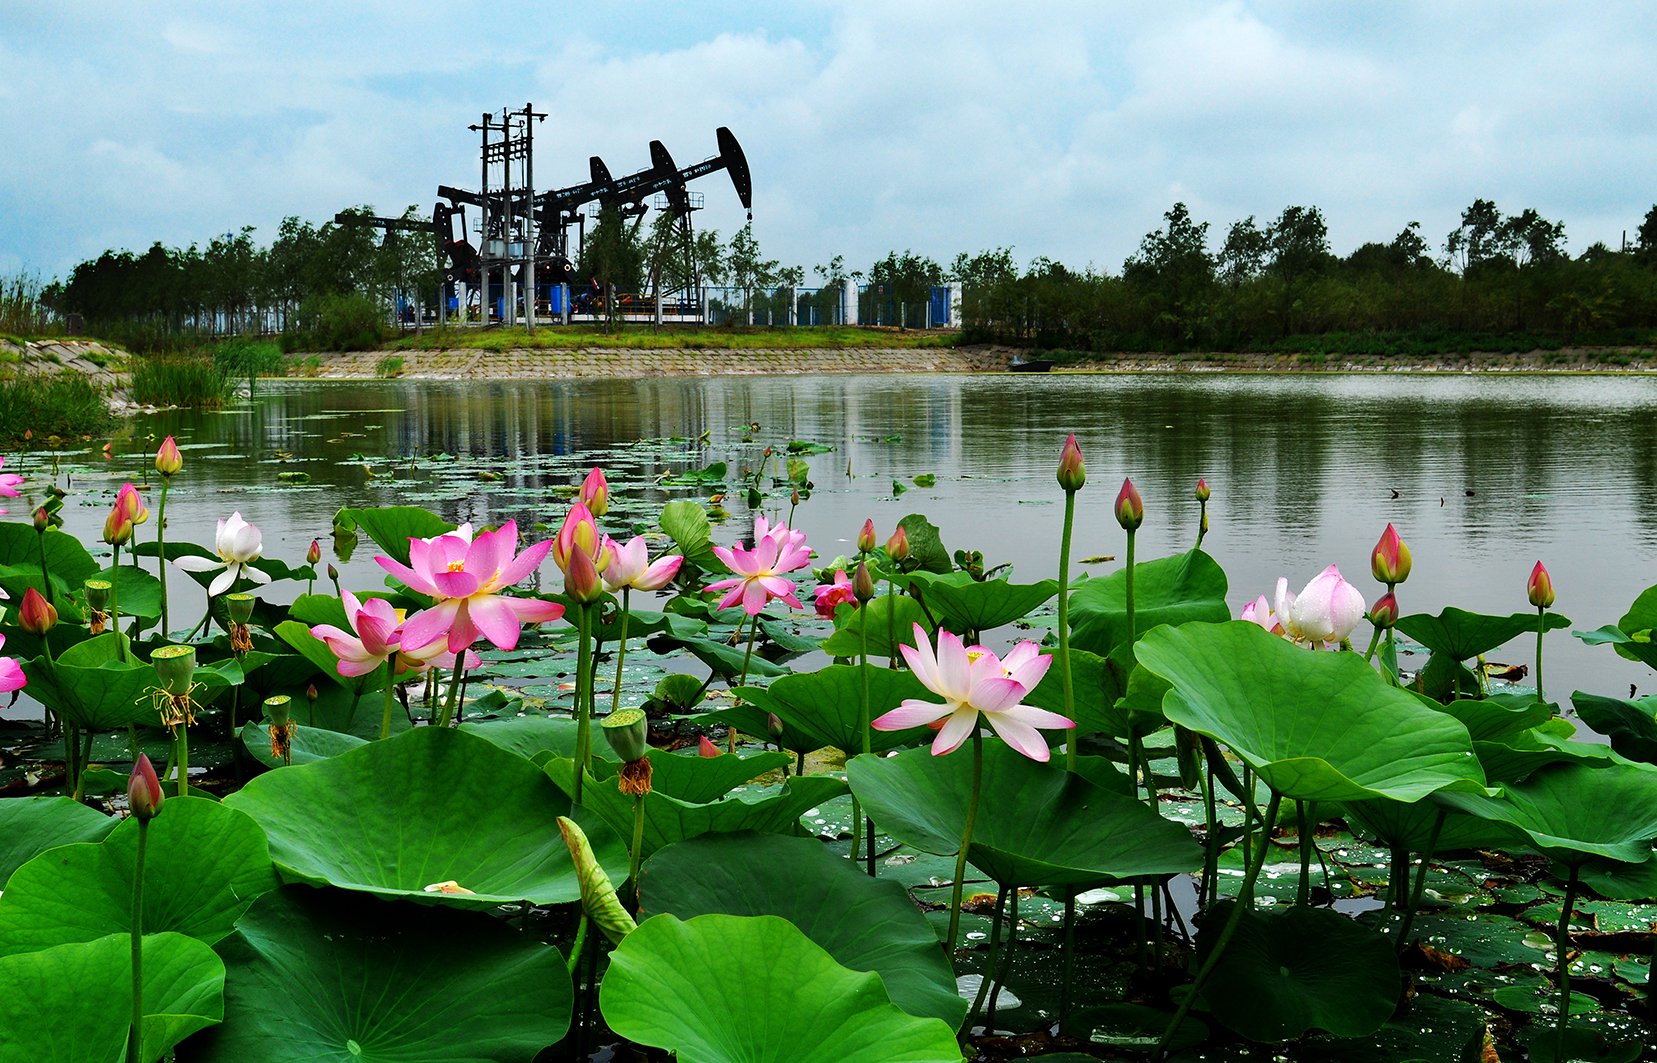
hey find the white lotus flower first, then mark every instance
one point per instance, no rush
(238, 543)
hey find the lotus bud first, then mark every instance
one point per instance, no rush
(97, 593)
(1130, 508)
(1390, 561)
(43, 520)
(705, 748)
(311, 693)
(578, 534)
(1384, 613)
(117, 526)
(240, 606)
(595, 493)
(36, 615)
(1540, 587)
(279, 707)
(1202, 493)
(863, 584)
(1072, 473)
(794, 497)
(167, 458)
(773, 726)
(129, 499)
(581, 579)
(176, 666)
(866, 537)
(897, 547)
(314, 553)
(144, 795)
(628, 732)
(333, 573)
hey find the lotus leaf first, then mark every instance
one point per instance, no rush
(529, 735)
(1628, 723)
(1302, 969)
(668, 819)
(306, 744)
(1097, 684)
(883, 617)
(72, 1003)
(1409, 825)
(723, 658)
(927, 551)
(1314, 726)
(68, 560)
(1037, 823)
(963, 604)
(1168, 590)
(698, 779)
(865, 924)
(1630, 636)
(391, 527)
(204, 865)
(91, 687)
(826, 706)
(328, 976)
(724, 987)
(317, 652)
(426, 806)
(138, 592)
(1497, 717)
(1575, 811)
(1460, 635)
(31, 825)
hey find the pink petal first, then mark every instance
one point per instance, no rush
(1022, 737)
(735, 594)
(426, 627)
(405, 575)
(492, 551)
(995, 694)
(460, 584)
(954, 669)
(957, 729)
(11, 675)
(520, 567)
(911, 713)
(1029, 714)
(659, 574)
(1030, 673)
(534, 610)
(495, 619)
(753, 597)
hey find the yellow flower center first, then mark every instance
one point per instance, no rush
(457, 566)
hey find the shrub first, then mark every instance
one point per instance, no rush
(337, 323)
(63, 404)
(390, 366)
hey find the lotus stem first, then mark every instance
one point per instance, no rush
(1562, 961)
(1064, 629)
(863, 720)
(1374, 641)
(799, 763)
(181, 756)
(857, 830)
(45, 573)
(966, 841)
(135, 1033)
(1007, 960)
(1303, 893)
(390, 696)
(584, 722)
(71, 758)
(115, 603)
(1202, 522)
(1245, 900)
(1128, 569)
(1420, 881)
(1069, 962)
(1541, 629)
(636, 853)
(891, 624)
(621, 650)
(161, 551)
(450, 702)
(989, 965)
(574, 958)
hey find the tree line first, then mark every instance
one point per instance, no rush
(1257, 285)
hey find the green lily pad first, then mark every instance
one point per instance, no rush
(1169, 590)
(1314, 726)
(690, 987)
(307, 744)
(927, 552)
(888, 617)
(668, 819)
(1628, 723)
(825, 707)
(1037, 823)
(1621, 881)
(698, 780)
(865, 924)
(424, 807)
(1285, 973)
(1460, 635)
(1497, 717)
(963, 604)
(340, 978)
(203, 866)
(723, 658)
(66, 558)
(1630, 636)
(32, 825)
(1096, 684)
(529, 735)
(72, 1003)
(1409, 824)
(1574, 811)
(391, 527)
(1426, 1028)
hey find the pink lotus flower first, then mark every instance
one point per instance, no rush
(132, 503)
(630, 566)
(466, 579)
(830, 595)
(167, 458)
(579, 532)
(595, 493)
(376, 634)
(976, 683)
(758, 571)
(1326, 611)
(9, 482)
(238, 544)
(1260, 612)
(11, 673)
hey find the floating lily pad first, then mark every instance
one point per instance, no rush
(865, 924)
(31, 825)
(1037, 823)
(203, 866)
(429, 805)
(1285, 973)
(691, 987)
(72, 1003)
(1314, 726)
(328, 976)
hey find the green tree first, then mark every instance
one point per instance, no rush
(1173, 273)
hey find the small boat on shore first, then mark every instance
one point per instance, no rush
(1029, 365)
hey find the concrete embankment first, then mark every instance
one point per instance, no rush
(584, 362)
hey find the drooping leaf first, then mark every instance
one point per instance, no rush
(926, 547)
(1628, 723)
(391, 527)
(691, 987)
(92, 687)
(865, 924)
(1315, 726)
(427, 806)
(31, 825)
(963, 604)
(339, 978)
(1169, 590)
(1285, 973)
(1577, 810)
(1462, 635)
(1037, 823)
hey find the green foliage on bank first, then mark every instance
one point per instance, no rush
(63, 404)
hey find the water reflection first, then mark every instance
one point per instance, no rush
(1482, 475)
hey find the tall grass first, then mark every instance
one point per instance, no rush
(65, 404)
(21, 311)
(178, 380)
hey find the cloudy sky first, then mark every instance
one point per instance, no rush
(1057, 128)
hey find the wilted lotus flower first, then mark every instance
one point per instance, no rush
(238, 544)
(1326, 611)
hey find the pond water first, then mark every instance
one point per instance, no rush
(1483, 475)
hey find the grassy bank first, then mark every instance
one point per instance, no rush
(644, 337)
